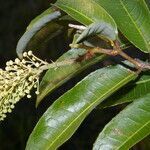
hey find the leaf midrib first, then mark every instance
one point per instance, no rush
(133, 135)
(113, 24)
(92, 104)
(146, 6)
(76, 12)
(144, 81)
(138, 29)
(79, 69)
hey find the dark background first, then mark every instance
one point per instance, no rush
(15, 15)
(14, 131)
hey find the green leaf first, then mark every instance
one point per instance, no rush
(127, 128)
(148, 3)
(132, 18)
(40, 18)
(65, 115)
(56, 77)
(102, 29)
(88, 12)
(129, 93)
(144, 144)
(38, 30)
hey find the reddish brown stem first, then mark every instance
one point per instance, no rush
(117, 51)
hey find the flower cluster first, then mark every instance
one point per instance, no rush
(17, 80)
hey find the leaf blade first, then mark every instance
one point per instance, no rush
(54, 78)
(101, 29)
(93, 14)
(129, 93)
(66, 114)
(133, 20)
(127, 128)
(36, 25)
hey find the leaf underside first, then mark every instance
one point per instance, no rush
(102, 29)
(40, 29)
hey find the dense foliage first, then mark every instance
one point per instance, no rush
(106, 32)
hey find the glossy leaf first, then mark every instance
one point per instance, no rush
(39, 29)
(127, 128)
(102, 29)
(56, 77)
(129, 93)
(132, 18)
(88, 12)
(65, 115)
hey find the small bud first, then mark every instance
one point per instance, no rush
(28, 96)
(6, 86)
(27, 91)
(7, 63)
(33, 59)
(11, 74)
(4, 116)
(37, 64)
(25, 54)
(17, 61)
(5, 111)
(12, 106)
(29, 66)
(6, 81)
(23, 61)
(26, 83)
(10, 62)
(29, 53)
(7, 68)
(9, 110)
(16, 67)
(35, 86)
(21, 71)
(37, 93)
(30, 78)
(7, 75)
(14, 84)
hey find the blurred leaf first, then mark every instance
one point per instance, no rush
(132, 18)
(148, 3)
(129, 93)
(39, 29)
(144, 144)
(87, 12)
(102, 29)
(66, 114)
(127, 128)
(56, 77)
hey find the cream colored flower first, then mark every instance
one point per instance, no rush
(17, 80)
(19, 77)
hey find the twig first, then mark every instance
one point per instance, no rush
(56, 65)
(140, 65)
(78, 27)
